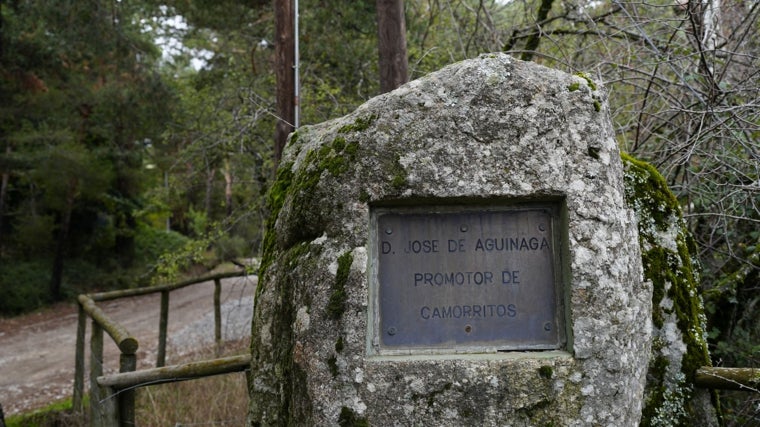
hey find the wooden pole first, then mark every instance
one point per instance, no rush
(218, 315)
(176, 373)
(96, 370)
(122, 338)
(123, 293)
(77, 401)
(127, 363)
(746, 379)
(162, 325)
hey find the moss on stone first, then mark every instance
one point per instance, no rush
(293, 138)
(275, 199)
(398, 182)
(364, 196)
(668, 258)
(337, 304)
(349, 418)
(351, 149)
(301, 186)
(281, 356)
(339, 144)
(360, 124)
(588, 80)
(576, 86)
(546, 371)
(332, 364)
(433, 395)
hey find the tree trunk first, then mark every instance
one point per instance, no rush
(284, 73)
(3, 193)
(391, 40)
(209, 193)
(63, 238)
(227, 171)
(535, 39)
(2, 52)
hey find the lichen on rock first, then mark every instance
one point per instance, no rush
(679, 339)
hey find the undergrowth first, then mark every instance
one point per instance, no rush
(211, 401)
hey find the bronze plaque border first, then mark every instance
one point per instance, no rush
(556, 339)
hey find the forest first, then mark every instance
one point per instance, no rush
(138, 139)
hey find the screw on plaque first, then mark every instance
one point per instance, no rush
(463, 228)
(548, 326)
(541, 227)
(388, 231)
(468, 329)
(392, 331)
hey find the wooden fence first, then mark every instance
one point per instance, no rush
(112, 397)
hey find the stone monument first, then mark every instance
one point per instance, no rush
(456, 252)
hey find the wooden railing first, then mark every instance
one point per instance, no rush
(743, 379)
(112, 397)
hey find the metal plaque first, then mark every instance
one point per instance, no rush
(464, 279)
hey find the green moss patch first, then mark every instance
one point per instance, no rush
(337, 304)
(275, 199)
(360, 124)
(332, 364)
(668, 257)
(349, 418)
(588, 80)
(546, 372)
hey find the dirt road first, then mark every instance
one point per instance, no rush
(37, 350)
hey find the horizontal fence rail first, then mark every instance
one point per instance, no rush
(176, 373)
(126, 342)
(125, 293)
(112, 397)
(745, 379)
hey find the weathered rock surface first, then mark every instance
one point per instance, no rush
(483, 131)
(679, 344)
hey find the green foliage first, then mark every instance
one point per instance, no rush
(83, 102)
(32, 236)
(151, 243)
(229, 248)
(24, 286)
(58, 413)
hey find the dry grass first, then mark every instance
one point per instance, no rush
(212, 401)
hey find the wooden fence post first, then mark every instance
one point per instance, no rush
(77, 400)
(162, 325)
(96, 370)
(218, 315)
(127, 363)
